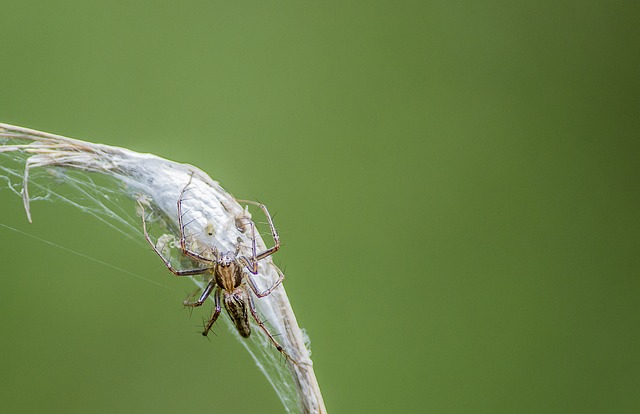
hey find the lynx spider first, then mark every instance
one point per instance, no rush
(227, 270)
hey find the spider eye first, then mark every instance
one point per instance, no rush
(226, 259)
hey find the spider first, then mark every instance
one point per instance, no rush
(228, 276)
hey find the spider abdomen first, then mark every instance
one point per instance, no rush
(235, 302)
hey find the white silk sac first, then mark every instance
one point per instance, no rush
(117, 185)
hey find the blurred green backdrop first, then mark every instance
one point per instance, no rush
(456, 187)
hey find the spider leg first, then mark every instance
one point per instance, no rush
(252, 264)
(167, 263)
(275, 343)
(254, 287)
(216, 311)
(183, 239)
(205, 294)
(274, 233)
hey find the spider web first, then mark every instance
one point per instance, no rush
(109, 183)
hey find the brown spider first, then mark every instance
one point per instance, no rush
(227, 270)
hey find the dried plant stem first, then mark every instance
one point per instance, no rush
(158, 182)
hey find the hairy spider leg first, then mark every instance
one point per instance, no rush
(275, 343)
(216, 312)
(274, 234)
(247, 263)
(203, 297)
(167, 263)
(254, 286)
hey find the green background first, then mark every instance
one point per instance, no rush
(456, 188)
